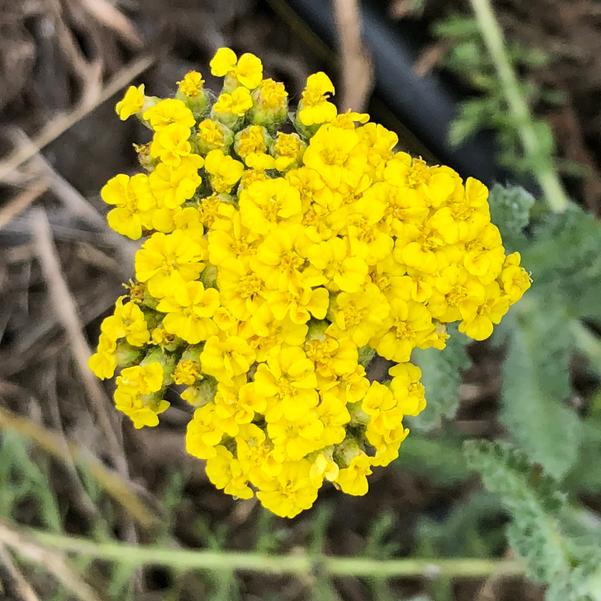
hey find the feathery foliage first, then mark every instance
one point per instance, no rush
(538, 531)
(441, 376)
(536, 386)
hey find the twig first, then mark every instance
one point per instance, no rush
(67, 314)
(112, 482)
(21, 202)
(18, 585)
(357, 75)
(31, 550)
(111, 17)
(298, 564)
(60, 124)
(79, 206)
(544, 170)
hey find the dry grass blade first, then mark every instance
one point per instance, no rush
(53, 562)
(21, 202)
(17, 585)
(60, 124)
(357, 73)
(77, 205)
(54, 444)
(112, 18)
(66, 311)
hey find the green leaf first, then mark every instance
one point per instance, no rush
(441, 376)
(438, 459)
(533, 503)
(510, 212)
(565, 260)
(536, 384)
(569, 564)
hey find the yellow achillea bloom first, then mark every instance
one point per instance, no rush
(131, 103)
(246, 70)
(191, 85)
(281, 254)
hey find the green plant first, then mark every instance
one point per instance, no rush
(558, 552)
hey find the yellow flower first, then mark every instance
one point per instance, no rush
(230, 107)
(480, 325)
(241, 290)
(288, 151)
(138, 394)
(515, 278)
(169, 111)
(333, 266)
(224, 471)
(298, 303)
(330, 154)
(223, 62)
(186, 372)
(266, 203)
(133, 201)
(278, 268)
(204, 433)
(213, 135)
(291, 492)
(126, 322)
(227, 358)
(353, 479)
(167, 260)
(224, 171)
(103, 362)
(407, 389)
(192, 84)
(174, 185)
(361, 314)
(410, 325)
(248, 69)
(287, 382)
(280, 257)
(270, 104)
(189, 308)
(314, 108)
(171, 144)
(131, 103)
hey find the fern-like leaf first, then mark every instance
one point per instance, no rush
(540, 519)
(536, 385)
(565, 260)
(441, 376)
(533, 503)
(510, 211)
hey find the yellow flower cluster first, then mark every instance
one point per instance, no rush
(281, 254)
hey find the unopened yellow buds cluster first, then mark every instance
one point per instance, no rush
(282, 252)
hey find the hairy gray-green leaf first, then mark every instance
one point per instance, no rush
(510, 212)
(565, 260)
(539, 531)
(536, 384)
(534, 505)
(441, 376)
(437, 458)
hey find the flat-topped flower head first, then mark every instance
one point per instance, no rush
(281, 254)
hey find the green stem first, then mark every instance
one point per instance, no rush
(296, 563)
(545, 172)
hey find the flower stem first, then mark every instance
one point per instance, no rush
(294, 564)
(544, 169)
